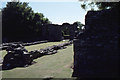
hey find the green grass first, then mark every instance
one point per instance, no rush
(66, 35)
(44, 45)
(56, 65)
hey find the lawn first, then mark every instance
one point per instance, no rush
(56, 65)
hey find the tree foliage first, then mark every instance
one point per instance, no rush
(65, 28)
(20, 21)
(80, 25)
(99, 5)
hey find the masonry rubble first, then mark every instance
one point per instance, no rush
(18, 56)
(4, 46)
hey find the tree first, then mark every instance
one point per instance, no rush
(65, 28)
(20, 21)
(80, 25)
(99, 5)
(15, 19)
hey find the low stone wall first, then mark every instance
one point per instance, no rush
(18, 56)
(4, 46)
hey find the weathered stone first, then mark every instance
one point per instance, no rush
(53, 52)
(71, 30)
(6, 46)
(17, 56)
(52, 32)
(96, 50)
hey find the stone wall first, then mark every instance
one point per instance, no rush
(18, 56)
(72, 29)
(4, 46)
(96, 49)
(55, 33)
(52, 32)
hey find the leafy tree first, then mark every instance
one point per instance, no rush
(80, 25)
(107, 5)
(65, 28)
(20, 21)
(99, 5)
(15, 19)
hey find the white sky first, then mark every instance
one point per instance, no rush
(59, 12)
(62, 0)
(43, 0)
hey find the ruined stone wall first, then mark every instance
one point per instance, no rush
(72, 29)
(52, 32)
(55, 33)
(44, 32)
(96, 50)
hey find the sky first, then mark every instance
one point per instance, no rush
(57, 11)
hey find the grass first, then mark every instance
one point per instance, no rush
(56, 65)
(66, 35)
